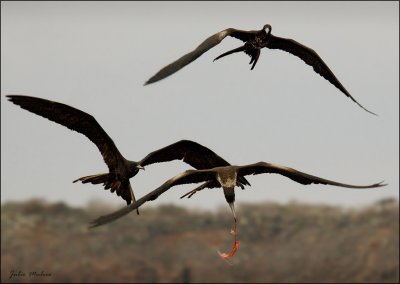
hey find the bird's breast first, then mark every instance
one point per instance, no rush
(227, 178)
(260, 41)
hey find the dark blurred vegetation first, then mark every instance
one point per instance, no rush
(279, 243)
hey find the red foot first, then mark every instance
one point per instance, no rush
(231, 253)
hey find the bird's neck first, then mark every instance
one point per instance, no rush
(229, 193)
(227, 180)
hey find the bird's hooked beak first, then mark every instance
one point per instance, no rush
(140, 167)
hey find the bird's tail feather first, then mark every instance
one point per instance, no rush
(109, 181)
(115, 185)
(241, 48)
(94, 179)
(201, 187)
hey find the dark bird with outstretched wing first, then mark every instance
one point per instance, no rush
(254, 41)
(120, 169)
(225, 177)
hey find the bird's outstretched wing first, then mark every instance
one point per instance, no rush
(300, 177)
(74, 119)
(310, 57)
(189, 176)
(209, 43)
(192, 153)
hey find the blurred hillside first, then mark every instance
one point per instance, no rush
(279, 243)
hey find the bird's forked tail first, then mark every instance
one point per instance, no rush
(122, 188)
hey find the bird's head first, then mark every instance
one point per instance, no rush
(267, 28)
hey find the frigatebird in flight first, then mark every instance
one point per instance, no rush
(120, 169)
(254, 41)
(225, 177)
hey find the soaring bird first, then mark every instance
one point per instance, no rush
(225, 177)
(120, 169)
(254, 41)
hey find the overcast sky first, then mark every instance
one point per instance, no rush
(95, 56)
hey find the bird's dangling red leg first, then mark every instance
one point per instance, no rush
(233, 231)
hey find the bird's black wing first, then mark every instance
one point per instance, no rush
(310, 57)
(74, 119)
(189, 176)
(209, 43)
(300, 177)
(244, 36)
(192, 153)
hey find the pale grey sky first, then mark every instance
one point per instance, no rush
(95, 56)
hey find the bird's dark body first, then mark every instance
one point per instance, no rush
(117, 180)
(254, 42)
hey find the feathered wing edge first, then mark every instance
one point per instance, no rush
(295, 175)
(189, 176)
(75, 120)
(85, 124)
(178, 64)
(310, 57)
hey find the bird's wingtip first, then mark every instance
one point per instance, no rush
(371, 112)
(95, 223)
(150, 81)
(360, 105)
(91, 226)
(381, 183)
(10, 97)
